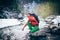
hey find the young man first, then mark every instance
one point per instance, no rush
(32, 23)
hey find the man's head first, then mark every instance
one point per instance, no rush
(28, 14)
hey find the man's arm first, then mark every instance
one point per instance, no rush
(24, 26)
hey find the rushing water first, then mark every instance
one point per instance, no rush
(15, 33)
(48, 37)
(13, 14)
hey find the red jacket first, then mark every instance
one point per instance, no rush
(32, 20)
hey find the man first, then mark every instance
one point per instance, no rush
(32, 23)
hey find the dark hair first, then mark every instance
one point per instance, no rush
(36, 17)
(29, 13)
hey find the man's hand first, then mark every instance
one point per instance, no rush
(23, 29)
(24, 26)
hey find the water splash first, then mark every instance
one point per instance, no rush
(30, 7)
(11, 14)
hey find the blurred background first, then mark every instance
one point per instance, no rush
(43, 8)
